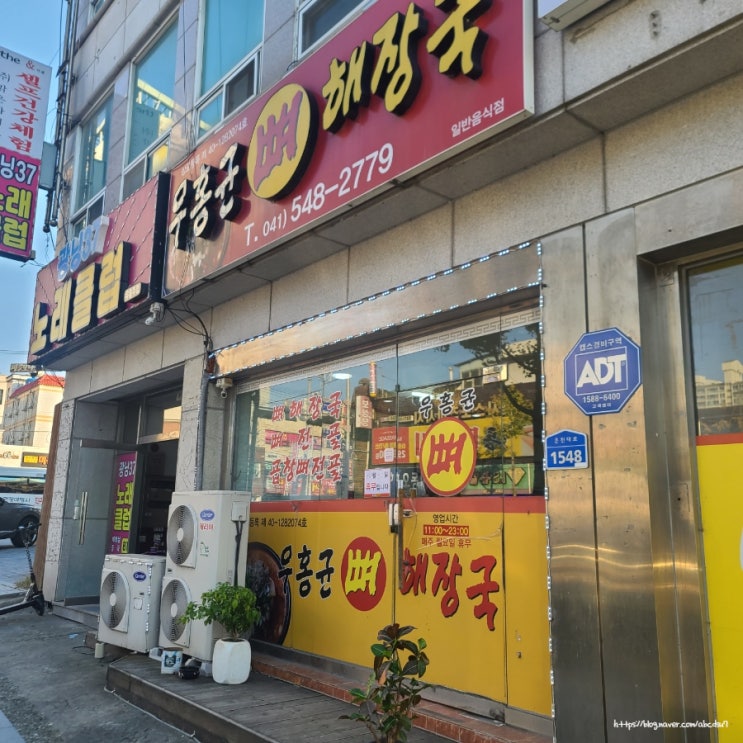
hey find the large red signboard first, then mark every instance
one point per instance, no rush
(404, 86)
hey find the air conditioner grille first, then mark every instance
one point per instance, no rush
(114, 599)
(173, 602)
(181, 534)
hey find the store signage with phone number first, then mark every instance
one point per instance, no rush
(399, 89)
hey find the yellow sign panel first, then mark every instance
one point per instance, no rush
(448, 455)
(722, 522)
(332, 575)
(282, 143)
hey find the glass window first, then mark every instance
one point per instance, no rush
(233, 33)
(210, 114)
(717, 346)
(151, 114)
(161, 417)
(319, 17)
(335, 432)
(94, 145)
(91, 213)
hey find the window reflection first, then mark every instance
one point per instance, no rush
(152, 104)
(342, 433)
(94, 147)
(717, 333)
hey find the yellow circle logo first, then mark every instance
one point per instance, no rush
(282, 143)
(447, 456)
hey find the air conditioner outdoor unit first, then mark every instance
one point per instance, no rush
(129, 611)
(207, 543)
(558, 14)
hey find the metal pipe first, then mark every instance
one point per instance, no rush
(201, 432)
(63, 107)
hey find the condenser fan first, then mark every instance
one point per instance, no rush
(114, 601)
(181, 535)
(173, 602)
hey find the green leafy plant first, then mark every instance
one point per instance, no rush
(234, 607)
(386, 705)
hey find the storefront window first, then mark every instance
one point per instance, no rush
(717, 346)
(401, 419)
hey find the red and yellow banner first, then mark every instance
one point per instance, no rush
(333, 574)
(126, 465)
(24, 97)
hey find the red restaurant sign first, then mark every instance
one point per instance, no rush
(403, 87)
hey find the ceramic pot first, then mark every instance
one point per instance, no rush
(231, 661)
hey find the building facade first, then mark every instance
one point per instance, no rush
(9, 382)
(452, 290)
(28, 412)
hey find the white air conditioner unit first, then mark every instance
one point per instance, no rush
(129, 613)
(561, 13)
(207, 543)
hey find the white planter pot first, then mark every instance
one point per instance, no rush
(231, 661)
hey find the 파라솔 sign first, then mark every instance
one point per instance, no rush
(402, 87)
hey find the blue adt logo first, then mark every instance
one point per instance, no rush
(602, 371)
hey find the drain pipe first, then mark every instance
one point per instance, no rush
(201, 431)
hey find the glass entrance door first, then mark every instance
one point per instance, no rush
(715, 294)
(86, 523)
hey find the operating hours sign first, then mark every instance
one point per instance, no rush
(566, 450)
(602, 371)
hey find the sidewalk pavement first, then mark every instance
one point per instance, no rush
(14, 568)
(54, 690)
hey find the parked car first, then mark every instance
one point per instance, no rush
(14, 518)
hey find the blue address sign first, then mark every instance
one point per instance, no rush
(566, 450)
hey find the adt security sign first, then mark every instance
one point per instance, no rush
(602, 371)
(566, 450)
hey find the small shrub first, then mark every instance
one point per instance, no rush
(386, 705)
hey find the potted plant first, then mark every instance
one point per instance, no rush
(386, 705)
(234, 608)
